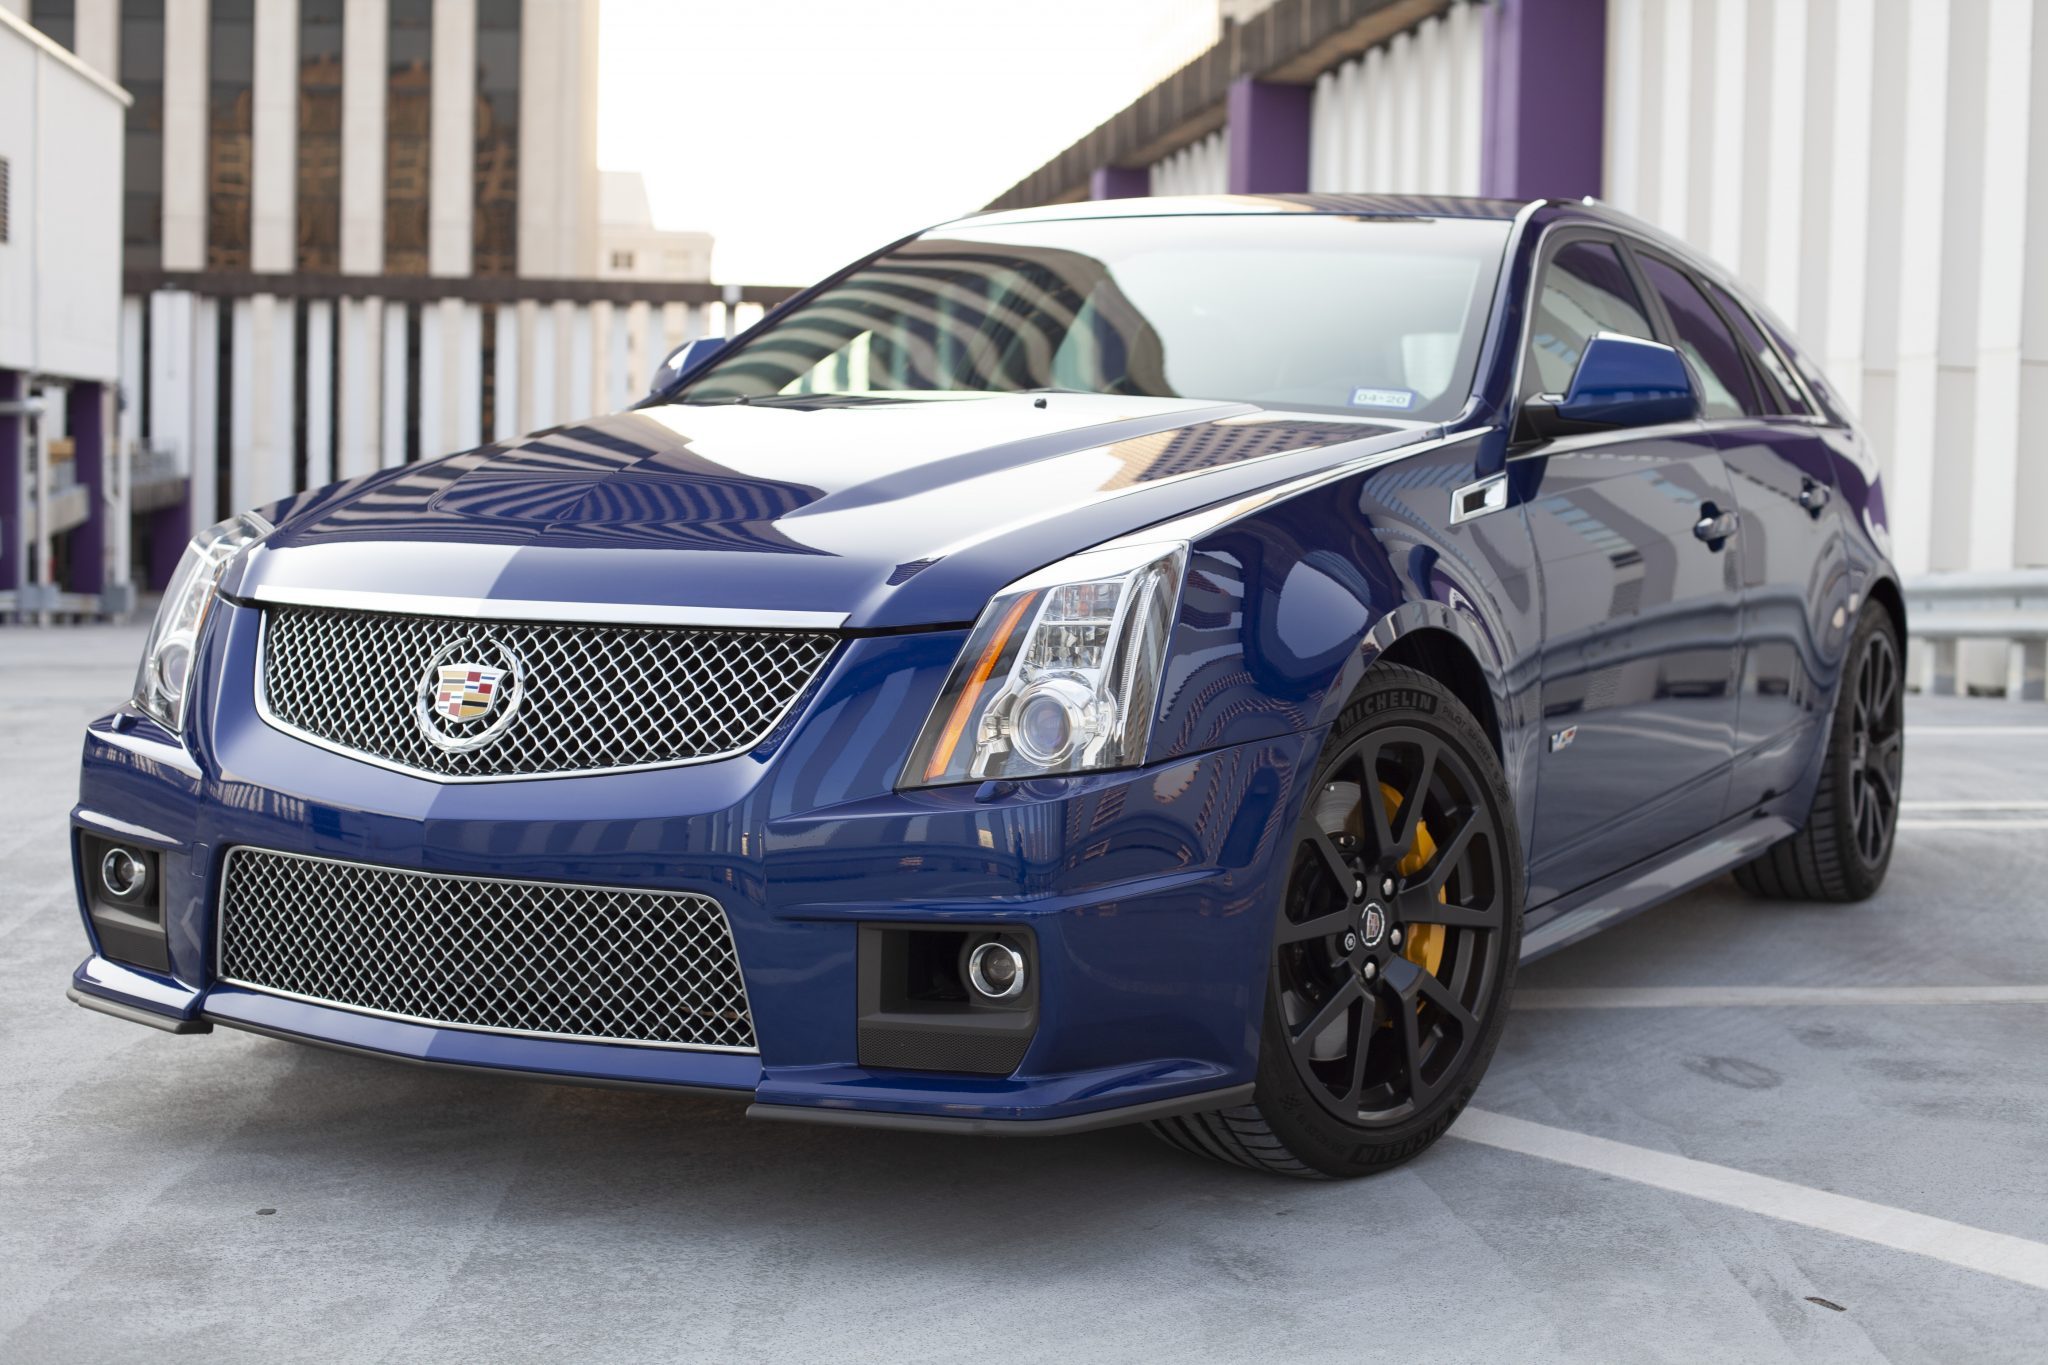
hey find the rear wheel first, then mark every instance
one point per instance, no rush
(1394, 947)
(1843, 850)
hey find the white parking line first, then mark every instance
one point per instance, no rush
(1972, 805)
(2021, 823)
(2007, 731)
(1992, 1253)
(1709, 997)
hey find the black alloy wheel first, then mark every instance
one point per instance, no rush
(1842, 851)
(1877, 749)
(1394, 946)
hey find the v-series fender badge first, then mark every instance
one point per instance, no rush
(1563, 738)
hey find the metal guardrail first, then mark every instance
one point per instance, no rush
(1944, 609)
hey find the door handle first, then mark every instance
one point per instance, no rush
(1813, 496)
(1714, 526)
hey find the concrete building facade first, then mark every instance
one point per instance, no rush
(60, 317)
(631, 247)
(1875, 170)
(353, 234)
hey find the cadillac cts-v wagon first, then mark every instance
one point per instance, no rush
(1158, 661)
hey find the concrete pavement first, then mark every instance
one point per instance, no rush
(231, 1198)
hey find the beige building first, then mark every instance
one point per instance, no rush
(358, 233)
(631, 247)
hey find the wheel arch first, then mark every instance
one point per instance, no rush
(1446, 657)
(1885, 591)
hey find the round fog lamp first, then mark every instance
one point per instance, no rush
(122, 873)
(996, 970)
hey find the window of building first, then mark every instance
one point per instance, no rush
(622, 260)
(142, 75)
(1586, 289)
(320, 135)
(1725, 387)
(408, 141)
(231, 63)
(495, 244)
(58, 20)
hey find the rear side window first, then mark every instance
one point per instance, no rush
(1586, 289)
(1831, 405)
(1725, 387)
(1779, 385)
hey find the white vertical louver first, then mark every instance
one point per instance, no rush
(1879, 179)
(1404, 117)
(1201, 167)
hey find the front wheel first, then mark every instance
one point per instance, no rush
(1394, 947)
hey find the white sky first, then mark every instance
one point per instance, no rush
(805, 133)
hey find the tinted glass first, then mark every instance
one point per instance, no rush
(1725, 388)
(1831, 406)
(1779, 386)
(1374, 317)
(1586, 289)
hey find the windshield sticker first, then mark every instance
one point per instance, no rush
(1383, 398)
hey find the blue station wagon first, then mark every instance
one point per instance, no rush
(1163, 661)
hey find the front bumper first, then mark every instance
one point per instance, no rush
(1148, 893)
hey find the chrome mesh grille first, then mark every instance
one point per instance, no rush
(547, 958)
(590, 697)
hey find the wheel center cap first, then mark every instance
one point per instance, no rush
(1372, 926)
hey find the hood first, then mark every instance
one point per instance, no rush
(886, 513)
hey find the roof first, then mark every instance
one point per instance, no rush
(1349, 205)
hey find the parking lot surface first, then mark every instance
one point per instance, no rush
(1724, 1130)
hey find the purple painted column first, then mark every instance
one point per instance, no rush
(169, 530)
(13, 484)
(1543, 128)
(1120, 182)
(1268, 137)
(85, 412)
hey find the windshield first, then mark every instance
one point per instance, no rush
(1376, 317)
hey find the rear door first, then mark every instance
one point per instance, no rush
(1795, 584)
(1641, 618)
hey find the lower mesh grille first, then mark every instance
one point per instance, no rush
(543, 958)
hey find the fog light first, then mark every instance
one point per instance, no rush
(123, 874)
(995, 970)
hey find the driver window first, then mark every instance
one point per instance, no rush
(1586, 289)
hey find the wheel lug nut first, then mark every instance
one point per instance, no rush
(1358, 889)
(1387, 887)
(1395, 938)
(1350, 941)
(1369, 970)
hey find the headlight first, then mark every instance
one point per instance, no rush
(1061, 674)
(166, 676)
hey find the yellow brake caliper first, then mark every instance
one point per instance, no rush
(1425, 944)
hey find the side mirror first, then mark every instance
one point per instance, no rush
(682, 360)
(1620, 382)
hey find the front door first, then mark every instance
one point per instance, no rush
(1641, 609)
(1796, 607)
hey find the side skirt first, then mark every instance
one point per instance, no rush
(1571, 917)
